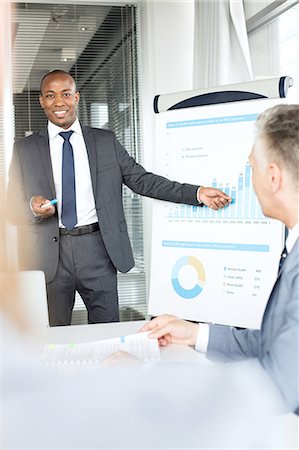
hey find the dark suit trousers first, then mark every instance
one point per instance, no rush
(84, 266)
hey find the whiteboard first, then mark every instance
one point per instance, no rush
(212, 266)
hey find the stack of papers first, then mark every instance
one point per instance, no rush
(138, 345)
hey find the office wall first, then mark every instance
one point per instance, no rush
(166, 34)
(166, 50)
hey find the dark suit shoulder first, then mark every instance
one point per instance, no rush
(32, 139)
(101, 132)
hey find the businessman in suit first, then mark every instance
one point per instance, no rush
(275, 161)
(81, 242)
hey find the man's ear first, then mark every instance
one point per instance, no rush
(274, 177)
(41, 101)
(77, 97)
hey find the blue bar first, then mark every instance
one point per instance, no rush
(212, 121)
(182, 211)
(220, 212)
(232, 206)
(217, 246)
(201, 211)
(214, 185)
(247, 175)
(240, 195)
(253, 205)
(247, 190)
(207, 211)
(227, 210)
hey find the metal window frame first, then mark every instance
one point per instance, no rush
(267, 14)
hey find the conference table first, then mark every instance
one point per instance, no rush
(96, 332)
(172, 353)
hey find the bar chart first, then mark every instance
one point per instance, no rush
(244, 204)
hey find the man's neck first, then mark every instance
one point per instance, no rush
(285, 207)
(292, 213)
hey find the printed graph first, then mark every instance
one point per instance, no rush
(180, 287)
(244, 204)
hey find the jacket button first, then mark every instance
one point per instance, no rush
(54, 239)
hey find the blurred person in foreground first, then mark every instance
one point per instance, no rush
(275, 176)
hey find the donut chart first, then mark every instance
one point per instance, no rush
(201, 277)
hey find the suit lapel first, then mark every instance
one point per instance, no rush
(92, 155)
(44, 151)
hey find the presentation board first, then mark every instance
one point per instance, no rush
(212, 266)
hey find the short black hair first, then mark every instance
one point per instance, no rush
(56, 72)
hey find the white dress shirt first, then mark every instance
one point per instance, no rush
(86, 212)
(202, 340)
(292, 237)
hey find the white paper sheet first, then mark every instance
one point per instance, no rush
(137, 344)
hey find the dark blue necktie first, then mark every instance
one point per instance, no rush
(68, 209)
(284, 254)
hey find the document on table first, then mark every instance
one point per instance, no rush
(137, 344)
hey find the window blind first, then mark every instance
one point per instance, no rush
(97, 44)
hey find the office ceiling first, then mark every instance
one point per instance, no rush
(50, 36)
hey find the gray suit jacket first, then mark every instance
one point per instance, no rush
(111, 166)
(276, 345)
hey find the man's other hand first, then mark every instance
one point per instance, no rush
(36, 204)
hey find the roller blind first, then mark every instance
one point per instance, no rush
(98, 45)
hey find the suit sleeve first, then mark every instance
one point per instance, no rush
(277, 347)
(281, 358)
(17, 205)
(232, 344)
(152, 185)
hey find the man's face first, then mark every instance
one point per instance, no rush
(59, 99)
(260, 176)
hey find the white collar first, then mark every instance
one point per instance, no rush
(54, 130)
(292, 237)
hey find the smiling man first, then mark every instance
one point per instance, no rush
(81, 241)
(59, 101)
